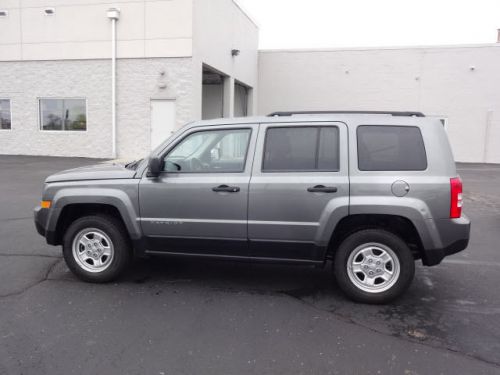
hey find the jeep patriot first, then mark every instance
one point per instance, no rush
(371, 191)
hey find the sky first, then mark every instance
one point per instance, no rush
(373, 23)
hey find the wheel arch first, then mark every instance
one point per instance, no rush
(69, 205)
(396, 224)
(74, 211)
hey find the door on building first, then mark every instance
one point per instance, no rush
(212, 104)
(162, 120)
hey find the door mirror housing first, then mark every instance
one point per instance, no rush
(155, 166)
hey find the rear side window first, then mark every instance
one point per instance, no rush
(301, 149)
(390, 148)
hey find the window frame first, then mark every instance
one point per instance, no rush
(62, 131)
(391, 170)
(263, 170)
(181, 139)
(10, 113)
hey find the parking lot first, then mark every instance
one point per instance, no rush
(179, 317)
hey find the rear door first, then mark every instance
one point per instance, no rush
(299, 188)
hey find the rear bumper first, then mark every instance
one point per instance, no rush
(454, 235)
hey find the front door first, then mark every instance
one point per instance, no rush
(198, 205)
(299, 186)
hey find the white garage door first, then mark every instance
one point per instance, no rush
(162, 120)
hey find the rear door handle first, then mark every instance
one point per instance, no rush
(322, 189)
(226, 188)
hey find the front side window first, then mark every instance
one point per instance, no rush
(390, 148)
(63, 114)
(211, 151)
(301, 149)
(5, 115)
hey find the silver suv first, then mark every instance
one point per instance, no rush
(370, 191)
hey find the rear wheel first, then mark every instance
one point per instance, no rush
(373, 266)
(96, 248)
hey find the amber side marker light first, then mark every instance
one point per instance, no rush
(45, 204)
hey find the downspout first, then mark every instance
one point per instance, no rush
(114, 15)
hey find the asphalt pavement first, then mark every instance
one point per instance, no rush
(183, 317)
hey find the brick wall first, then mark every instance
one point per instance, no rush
(139, 80)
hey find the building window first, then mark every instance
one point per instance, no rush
(63, 114)
(5, 115)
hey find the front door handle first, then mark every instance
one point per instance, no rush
(226, 188)
(322, 189)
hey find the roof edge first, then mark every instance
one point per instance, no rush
(342, 49)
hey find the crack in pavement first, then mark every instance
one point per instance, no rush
(352, 321)
(28, 287)
(297, 293)
(294, 294)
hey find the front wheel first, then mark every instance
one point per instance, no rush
(373, 266)
(96, 248)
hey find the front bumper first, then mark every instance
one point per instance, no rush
(41, 217)
(454, 235)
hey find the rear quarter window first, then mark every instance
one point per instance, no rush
(390, 148)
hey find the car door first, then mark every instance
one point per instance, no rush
(299, 188)
(198, 204)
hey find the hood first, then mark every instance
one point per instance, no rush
(93, 172)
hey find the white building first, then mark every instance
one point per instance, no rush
(55, 72)
(183, 60)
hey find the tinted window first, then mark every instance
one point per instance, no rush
(309, 148)
(210, 152)
(390, 148)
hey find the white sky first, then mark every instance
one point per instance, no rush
(360, 23)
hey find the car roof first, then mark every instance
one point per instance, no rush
(365, 118)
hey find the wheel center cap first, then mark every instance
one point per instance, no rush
(371, 267)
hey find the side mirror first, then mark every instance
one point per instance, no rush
(155, 166)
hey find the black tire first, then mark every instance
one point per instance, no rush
(378, 236)
(122, 251)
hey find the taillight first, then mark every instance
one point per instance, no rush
(456, 198)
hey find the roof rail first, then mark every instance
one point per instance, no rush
(393, 113)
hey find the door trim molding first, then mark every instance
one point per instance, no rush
(174, 221)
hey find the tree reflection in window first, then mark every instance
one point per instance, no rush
(63, 114)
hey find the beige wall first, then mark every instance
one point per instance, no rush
(79, 29)
(461, 83)
(218, 27)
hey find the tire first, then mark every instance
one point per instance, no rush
(103, 241)
(378, 253)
